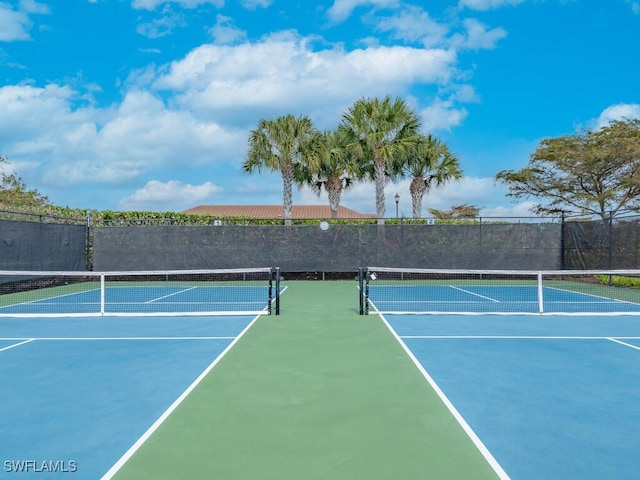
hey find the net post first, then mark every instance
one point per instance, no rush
(277, 294)
(361, 290)
(102, 293)
(366, 291)
(270, 290)
(540, 299)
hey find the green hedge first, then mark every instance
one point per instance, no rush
(619, 281)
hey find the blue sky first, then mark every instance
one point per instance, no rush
(148, 104)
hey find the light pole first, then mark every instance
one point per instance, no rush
(397, 197)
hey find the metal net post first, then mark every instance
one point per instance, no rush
(276, 272)
(361, 289)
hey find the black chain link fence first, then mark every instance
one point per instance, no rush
(34, 243)
(612, 243)
(42, 246)
(340, 248)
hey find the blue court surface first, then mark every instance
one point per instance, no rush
(550, 397)
(141, 299)
(77, 393)
(502, 298)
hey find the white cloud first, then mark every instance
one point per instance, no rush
(225, 32)
(283, 72)
(200, 108)
(619, 111)
(169, 196)
(254, 4)
(20, 104)
(478, 36)
(465, 93)
(487, 4)
(342, 9)
(635, 6)
(471, 190)
(162, 26)
(32, 6)
(152, 4)
(14, 25)
(442, 115)
(523, 209)
(414, 24)
(85, 146)
(483, 193)
(210, 100)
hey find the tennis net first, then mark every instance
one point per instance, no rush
(563, 292)
(252, 291)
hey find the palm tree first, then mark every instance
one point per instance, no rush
(328, 165)
(430, 164)
(278, 145)
(386, 131)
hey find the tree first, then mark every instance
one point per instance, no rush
(456, 211)
(328, 165)
(14, 192)
(430, 164)
(595, 172)
(278, 145)
(385, 131)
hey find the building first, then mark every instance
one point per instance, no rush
(298, 212)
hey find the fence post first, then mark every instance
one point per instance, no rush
(87, 248)
(610, 240)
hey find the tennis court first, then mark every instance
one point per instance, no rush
(423, 291)
(144, 299)
(550, 397)
(545, 396)
(197, 292)
(78, 392)
(320, 391)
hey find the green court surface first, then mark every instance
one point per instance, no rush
(318, 392)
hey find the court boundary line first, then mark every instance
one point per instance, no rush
(28, 340)
(160, 420)
(489, 313)
(81, 339)
(623, 343)
(482, 448)
(513, 337)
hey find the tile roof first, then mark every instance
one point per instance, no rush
(274, 211)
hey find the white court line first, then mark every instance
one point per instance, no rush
(474, 294)
(497, 468)
(509, 337)
(145, 436)
(58, 339)
(170, 295)
(624, 343)
(17, 344)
